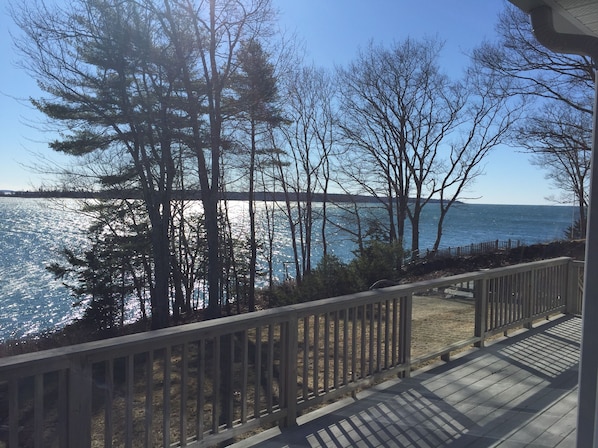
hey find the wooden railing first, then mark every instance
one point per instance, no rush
(200, 384)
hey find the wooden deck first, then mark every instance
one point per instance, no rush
(519, 392)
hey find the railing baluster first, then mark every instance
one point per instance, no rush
(395, 331)
(516, 293)
(507, 285)
(149, 398)
(556, 281)
(184, 395)
(548, 298)
(543, 292)
(553, 277)
(216, 405)
(130, 375)
(379, 341)
(510, 318)
(326, 357)
(546, 303)
(305, 377)
(354, 320)
(245, 375)
(166, 396)
(345, 346)
(386, 333)
(535, 286)
(371, 339)
(62, 417)
(13, 412)
(500, 297)
(494, 299)
(489, 305)
(520, 296)
(258, 372)
(108, 400)
(363, 340)
(550, 290)
(270, 364)
(38, 410)
(201, 388)
(336, 363)
(560, 286)
(230, 378)
(316, 356)
(528, 298)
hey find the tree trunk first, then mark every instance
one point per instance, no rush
(415, 218)
(252, 238)
(160, 291)
(210, 203)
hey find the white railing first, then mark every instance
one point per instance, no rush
(200, 384)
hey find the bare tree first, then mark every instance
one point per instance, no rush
(557, 131)
(559, 138)
(398, 107)
(308, 139)
(375, 126)
(422, 135)
(486, 121)
(533, 69)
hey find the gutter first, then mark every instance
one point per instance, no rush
(543, 26)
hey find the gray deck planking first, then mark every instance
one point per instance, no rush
(519, 392)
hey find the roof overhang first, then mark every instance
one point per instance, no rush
(564, 26)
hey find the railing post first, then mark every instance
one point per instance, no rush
(79, 403)
(289, 392)
(405, 324)
(572, 303)
(579, 280)
(569, 298)
(481, 306)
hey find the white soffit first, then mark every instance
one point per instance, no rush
(569, 16)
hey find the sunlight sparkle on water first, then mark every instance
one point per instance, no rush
(33, 231)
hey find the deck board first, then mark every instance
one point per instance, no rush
(519, 392)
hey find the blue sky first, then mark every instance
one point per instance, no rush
(332, 31)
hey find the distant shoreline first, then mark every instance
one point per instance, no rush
(196, 195)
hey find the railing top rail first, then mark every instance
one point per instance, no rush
(157, 339)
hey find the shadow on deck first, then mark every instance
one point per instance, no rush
(519, 391)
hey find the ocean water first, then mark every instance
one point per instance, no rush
(33, 231)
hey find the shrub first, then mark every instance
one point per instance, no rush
(378, 261)
(332, 277)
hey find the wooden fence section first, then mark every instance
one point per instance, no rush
(200, 384)
(471, 249)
